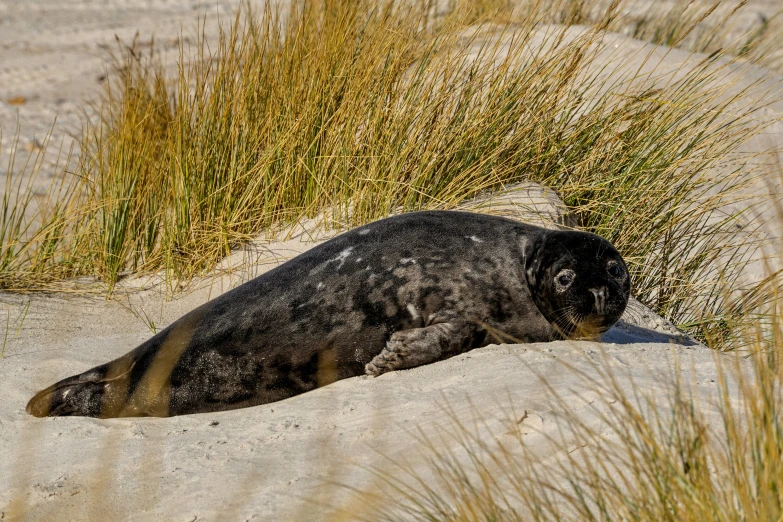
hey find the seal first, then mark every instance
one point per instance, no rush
(397, 293)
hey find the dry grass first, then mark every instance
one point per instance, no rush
(31, 224)
(711, 26)
(646, 458)
(704, 26)
(359, 110)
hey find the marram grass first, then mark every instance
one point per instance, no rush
(355, 110)
(646, 458)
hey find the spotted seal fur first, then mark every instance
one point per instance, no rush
(400, 292)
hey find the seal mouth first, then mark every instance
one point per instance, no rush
(587, 328)
(588, 331)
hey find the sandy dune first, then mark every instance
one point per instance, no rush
(54, 56)
(272, 462)
(275, 462)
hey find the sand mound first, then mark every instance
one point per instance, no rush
(274, 462)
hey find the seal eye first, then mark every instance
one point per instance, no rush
(616, 271)
(564, 279)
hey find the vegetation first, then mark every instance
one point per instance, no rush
(355, 110)
(352, 110)
(644, 459)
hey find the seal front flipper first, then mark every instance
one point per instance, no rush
(409, 348)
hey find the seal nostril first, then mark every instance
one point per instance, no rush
(600, 299)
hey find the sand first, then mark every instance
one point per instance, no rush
(272, 462)
(279, 461)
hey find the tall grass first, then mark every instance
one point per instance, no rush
(647, 458)
(361, 109)
(34, 250)
(711, 26)
(704, 26)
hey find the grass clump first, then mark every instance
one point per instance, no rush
(33, 246)
(355, 110)
(645, 458)
(704, 26)
(712, 26)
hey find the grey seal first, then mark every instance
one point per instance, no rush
(397, 293)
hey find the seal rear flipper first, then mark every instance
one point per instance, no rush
(134, 385)
(78, 395)
(99, 392)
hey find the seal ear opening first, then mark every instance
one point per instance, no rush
(532, 262)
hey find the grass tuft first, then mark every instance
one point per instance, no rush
(356, 110)
(646, 458)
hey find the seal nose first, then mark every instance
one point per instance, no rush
(600, 299)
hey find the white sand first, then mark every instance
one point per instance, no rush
(258, 463)
(264, 461)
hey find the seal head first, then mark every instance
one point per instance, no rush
(578, 281)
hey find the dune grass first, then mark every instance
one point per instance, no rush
(356, 110)
(704, 26)
(647, 458)
(709, 27)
